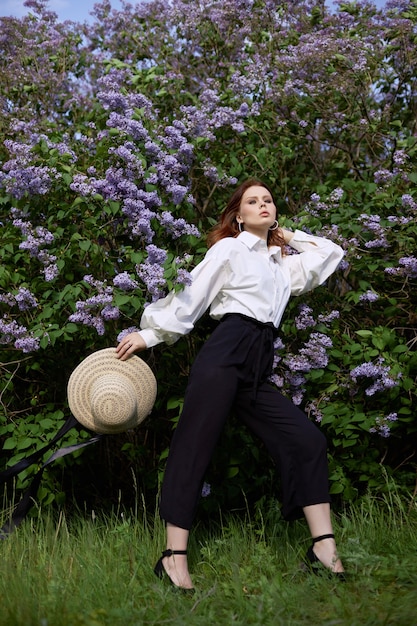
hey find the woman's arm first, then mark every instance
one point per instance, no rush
(171, 317)
(318, 259)
(287, 235)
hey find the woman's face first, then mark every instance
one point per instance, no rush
(257, 212)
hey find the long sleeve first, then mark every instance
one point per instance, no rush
(241, 275)
(319, 258)
(171, 317)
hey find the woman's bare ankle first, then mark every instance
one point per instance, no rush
(176, 566)
(326, 552)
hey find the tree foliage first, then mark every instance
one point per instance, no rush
(120, 142)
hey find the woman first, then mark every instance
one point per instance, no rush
(246, 280)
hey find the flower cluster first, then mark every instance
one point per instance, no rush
(124, 282)
(407, 268)
(312, 355)
(318, 206)
(143, 152)
(372, 223)
(97, 309)
(383, 425)
(24, 299)
(312, 409)
(368, 296)
(378, 372)
(13, 333)
(35, 239)
(177, 227)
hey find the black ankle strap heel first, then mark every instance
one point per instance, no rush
(171, 553)
(161, 572)
(316, 539)
(314, 563)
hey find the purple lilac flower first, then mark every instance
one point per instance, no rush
(29, 179)
(110, 313)
(177, 227)
(297, 397)
(295, 379)
(36, 238)
(27, 344)
(51, 272)
(183, 277)
(177, 192)
(382, 425)
(25, 299)
(127, 331)
(373, 224)
(315, 350)
(22, 339)
(212, 173)
(407, 267)
(312, 409)
(277, 380)
(156, 255)
(206, 490)
(336, 195)
(8, 298)
(305, 318)
(383, 177)
(278, 345)
(152, 275)
(402, 219)
(81, 185)
(368, 296)
(400, 157)
(11, 330)
(380, 242)
(380, 374)
(328, 318)
(408, 201)
(125, 282)
(97, 309)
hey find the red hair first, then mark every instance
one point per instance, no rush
(228, 225)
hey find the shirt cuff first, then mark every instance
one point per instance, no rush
(149, 337)
(301, 238)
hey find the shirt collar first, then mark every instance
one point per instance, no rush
(253, 242)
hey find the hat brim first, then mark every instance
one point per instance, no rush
(104, 363)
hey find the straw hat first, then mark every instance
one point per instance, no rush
(107, 395)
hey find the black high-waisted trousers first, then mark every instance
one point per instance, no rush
(230, 373)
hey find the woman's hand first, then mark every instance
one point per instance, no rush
(287, 235)
(130, 344)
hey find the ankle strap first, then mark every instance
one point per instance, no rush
(316, 539)
(171, 552)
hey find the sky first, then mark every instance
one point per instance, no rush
(75, 10)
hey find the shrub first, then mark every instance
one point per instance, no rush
(121, 141)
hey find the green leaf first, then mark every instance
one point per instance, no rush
(9, 444)
(84, 245)
(364, 333)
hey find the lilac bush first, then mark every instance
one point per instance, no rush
(121, 140)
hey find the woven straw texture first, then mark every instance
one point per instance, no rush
(107, 395)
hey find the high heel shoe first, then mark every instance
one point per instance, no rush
(314, 563)
(161, 572)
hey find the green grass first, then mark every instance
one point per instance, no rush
(98, 572)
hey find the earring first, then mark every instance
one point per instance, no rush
(239, 225)
(275, 226)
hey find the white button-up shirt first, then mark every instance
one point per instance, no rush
(242, 275)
